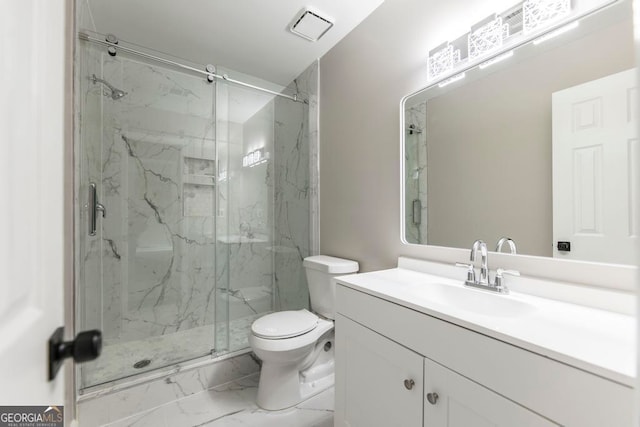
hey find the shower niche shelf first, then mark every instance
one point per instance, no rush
(198, 182)
(199, 171)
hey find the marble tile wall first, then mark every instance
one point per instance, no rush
(269, 224)
(244, 229)
(250, 206)
(84, 17)
(151, 268)
(165, 121)
(309, 82)
(296, 190)
(416, 172)
(191, 238)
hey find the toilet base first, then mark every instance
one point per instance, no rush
(286, 393)
(284, 385)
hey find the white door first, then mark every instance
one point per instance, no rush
(595, 170)
(378, 382)
(31, 197)
(452, 400)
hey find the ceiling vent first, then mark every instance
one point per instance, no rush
(310, 25)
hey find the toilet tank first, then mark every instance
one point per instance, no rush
(320, 270)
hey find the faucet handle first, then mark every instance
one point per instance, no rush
(499, 283)
(471, 273)
(501, 271)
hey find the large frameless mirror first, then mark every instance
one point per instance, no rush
(536, 142)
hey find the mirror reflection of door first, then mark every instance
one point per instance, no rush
(595, 159)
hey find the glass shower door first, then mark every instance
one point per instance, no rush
(147, 277)
(245, 136)
(263, 224)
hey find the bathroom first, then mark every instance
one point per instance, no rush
(218, 153)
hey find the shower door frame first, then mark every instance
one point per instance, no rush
(217, 351)
(209, 73)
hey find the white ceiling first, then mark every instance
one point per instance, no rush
(250, 36)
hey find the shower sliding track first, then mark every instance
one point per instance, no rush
(208, 72)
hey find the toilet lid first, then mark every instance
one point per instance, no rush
(284, 324)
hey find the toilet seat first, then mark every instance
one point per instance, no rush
(284, 324)
(293, 343)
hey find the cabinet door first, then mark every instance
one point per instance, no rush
(461, 402)
(378, 382)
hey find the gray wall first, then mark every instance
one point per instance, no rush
(362, 80)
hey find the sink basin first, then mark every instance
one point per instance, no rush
(478, 301)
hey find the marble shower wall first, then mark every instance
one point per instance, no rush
(246, 236)
(161, 179)
(269, 223)
(150, 270)
(272, 204)
(84, 17)
(184, 218)
(416, 172)
(296, 189)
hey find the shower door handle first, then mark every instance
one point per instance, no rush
(93, 207)
(416, 211)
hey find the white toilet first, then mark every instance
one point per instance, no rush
(296, 347)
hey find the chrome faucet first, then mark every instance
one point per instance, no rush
(510, 242)
(483, 281)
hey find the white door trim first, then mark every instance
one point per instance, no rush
(70, 41)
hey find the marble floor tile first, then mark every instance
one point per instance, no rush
(234, 405)
(153, 418)
(315, 412)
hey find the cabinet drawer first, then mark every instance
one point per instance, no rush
(564, 394)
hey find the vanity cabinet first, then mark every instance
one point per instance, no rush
(452, 400)
(381, 380)
(382, 345)
(382, 383)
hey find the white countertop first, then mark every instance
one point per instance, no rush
(594, 340)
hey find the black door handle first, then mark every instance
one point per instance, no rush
(85, 347)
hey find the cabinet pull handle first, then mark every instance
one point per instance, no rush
(432, 398)
(408, 384)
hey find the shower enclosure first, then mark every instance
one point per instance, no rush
(193, 198)
(415, 160)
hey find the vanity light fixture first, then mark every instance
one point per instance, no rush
(522, 21)
(541, 13)
(487, 36)
(255, 158)
(452, 79)
(556, 33)
(441, 60)
(496, 59)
